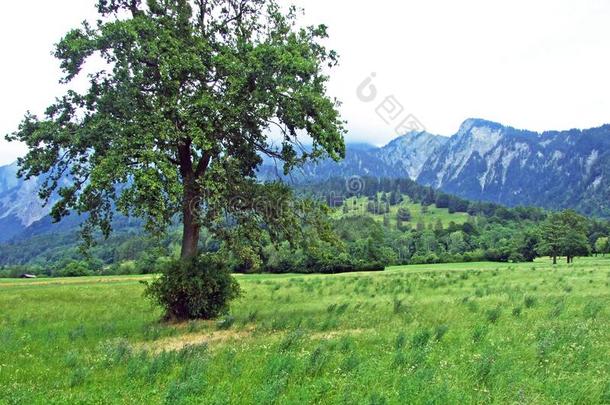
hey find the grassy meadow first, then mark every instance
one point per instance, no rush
(432, 334)
(431, 215)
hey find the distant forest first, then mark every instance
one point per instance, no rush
(373, 223)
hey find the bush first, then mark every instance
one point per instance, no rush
(126, 268)
(74, 269)
(197, 289)
(477, 255)
(516, 258)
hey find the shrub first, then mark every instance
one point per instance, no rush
(515, 257)
(125, 268)
(200, 288)
(74, 269)
(477, 255)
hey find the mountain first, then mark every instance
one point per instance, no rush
(8, 177)
(409, 153)
(491, 162)
(20, 206)
(403, 157)
(361, 159)
(488, 161)
(483, 161)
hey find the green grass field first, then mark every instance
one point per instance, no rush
(437, 334)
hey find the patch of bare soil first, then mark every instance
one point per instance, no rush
(177, 343)
(218, 338)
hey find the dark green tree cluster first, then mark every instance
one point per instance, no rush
(379, 204)
(403, 214)
(375, 187)
(564, 234)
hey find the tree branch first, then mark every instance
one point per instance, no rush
(184, 156)
(203, 164)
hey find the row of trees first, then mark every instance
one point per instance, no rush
(532, 232)
(366, 242)
(504, 237)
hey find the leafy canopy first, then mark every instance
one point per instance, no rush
(178, 118)
(564, 233)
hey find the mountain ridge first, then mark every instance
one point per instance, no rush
(552, 169)
(488, 161)
(482, 161)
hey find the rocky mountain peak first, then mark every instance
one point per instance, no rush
(471, 123)
(8, 177)
(410, 152)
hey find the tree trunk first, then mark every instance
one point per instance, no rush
(191, 226)
(192, 198)
(554, 259)
(190, 235)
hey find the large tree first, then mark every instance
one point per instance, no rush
(180, 115)
(574, 241)
(551, 232)
(564, 233)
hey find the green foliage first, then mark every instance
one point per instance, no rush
(320, 240)
(75, 269)
(457, 243)
(564, 233)
(441, 237)
(200, 288)
(176, 123)
(403, 214)
(602, 245)
(178, 118)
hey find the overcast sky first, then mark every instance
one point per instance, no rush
(538, 65)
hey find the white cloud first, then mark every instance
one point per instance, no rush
(536, 65)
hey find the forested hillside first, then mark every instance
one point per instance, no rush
(382, 222)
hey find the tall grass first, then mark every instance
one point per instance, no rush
(464, 333)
